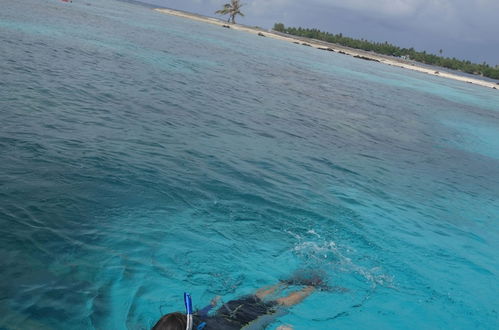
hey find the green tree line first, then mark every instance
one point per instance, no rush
(388, 49)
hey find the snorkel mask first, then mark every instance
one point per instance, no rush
(188, 310)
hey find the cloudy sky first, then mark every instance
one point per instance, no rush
(466, 29)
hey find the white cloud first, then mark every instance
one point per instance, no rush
(385, 7)
(378, 7)
(457, 18)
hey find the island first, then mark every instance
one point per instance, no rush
(332, 47)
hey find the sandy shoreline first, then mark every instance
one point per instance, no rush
(334, 47)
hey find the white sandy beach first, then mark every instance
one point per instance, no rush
(337, 48)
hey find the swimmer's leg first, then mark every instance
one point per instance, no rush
(264, 292)
(296, 297)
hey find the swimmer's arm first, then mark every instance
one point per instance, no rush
(204, 312)
(296, 297)
(285, 327)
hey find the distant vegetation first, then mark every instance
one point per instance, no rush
(387, 49)
(232, 9)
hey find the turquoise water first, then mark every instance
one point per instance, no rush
(144, 155)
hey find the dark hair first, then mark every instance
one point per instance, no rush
(172, 321)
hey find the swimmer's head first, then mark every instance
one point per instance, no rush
(172, 321)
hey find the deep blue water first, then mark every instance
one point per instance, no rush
(143, 155)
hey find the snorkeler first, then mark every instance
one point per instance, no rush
(249, 313)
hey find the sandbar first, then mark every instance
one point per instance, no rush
(389, 60)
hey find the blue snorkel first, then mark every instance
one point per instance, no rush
(188, 310)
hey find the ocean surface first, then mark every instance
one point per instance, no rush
(144, 155)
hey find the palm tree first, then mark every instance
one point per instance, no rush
(232, 9)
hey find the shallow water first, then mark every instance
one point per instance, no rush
(144, 155)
